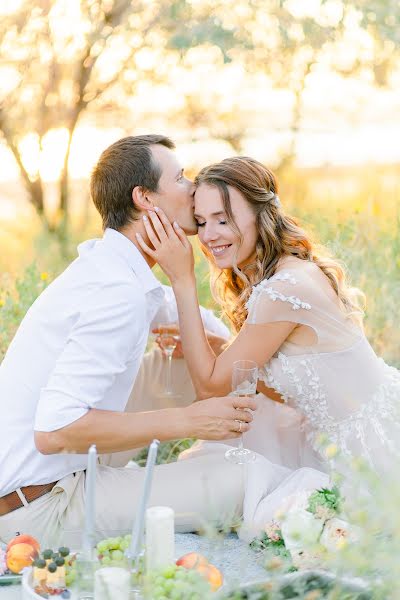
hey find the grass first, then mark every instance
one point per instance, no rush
(355, 212)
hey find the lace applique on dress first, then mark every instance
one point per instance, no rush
(284, 277)
(293, 300)
(265, 286)
(307, 394)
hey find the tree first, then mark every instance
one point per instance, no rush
(61, 58)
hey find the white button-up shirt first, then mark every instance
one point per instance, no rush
(79, 347)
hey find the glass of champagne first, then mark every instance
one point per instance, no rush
(169, 337)
(244, 383)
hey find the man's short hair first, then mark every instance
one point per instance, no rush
(121, 167)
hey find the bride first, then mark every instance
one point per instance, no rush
(294, 315)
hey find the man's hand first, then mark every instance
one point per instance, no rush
(218, 418)
(216, 342)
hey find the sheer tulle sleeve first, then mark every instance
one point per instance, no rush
(283, 297)
(303, 297)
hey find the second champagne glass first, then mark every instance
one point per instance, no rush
(169, 337)
(244, 383)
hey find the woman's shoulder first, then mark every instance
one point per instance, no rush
(290, 283)
(293, 271)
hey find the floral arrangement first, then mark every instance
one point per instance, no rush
(307, 527)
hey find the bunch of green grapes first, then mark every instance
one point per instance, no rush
(111, 551)
(176, 583)
(70, 570)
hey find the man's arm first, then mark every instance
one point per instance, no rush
(213, 419)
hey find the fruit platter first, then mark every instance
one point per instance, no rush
(54, 573)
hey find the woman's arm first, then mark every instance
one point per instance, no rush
(211, 375)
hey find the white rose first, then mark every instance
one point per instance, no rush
(335, 532)
(300, 529)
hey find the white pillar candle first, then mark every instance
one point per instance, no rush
(110, 583)
(90, 508)
(138, 523)
(160, 540)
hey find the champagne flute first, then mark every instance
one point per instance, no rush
(244, 383)
(169, 337)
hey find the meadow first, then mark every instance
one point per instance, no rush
(354, 211)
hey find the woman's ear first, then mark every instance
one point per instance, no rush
(141, 198)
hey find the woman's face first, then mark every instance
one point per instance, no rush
(216, 234)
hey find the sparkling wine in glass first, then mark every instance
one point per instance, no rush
(169, 337)
(244, 383)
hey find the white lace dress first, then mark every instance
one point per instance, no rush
(335, 385)
(332, 383)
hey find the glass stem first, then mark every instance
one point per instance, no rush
(240, 443)
(168, 389)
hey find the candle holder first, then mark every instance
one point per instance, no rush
(136, 569)
(86, 566)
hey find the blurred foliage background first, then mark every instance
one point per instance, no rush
(309, 87)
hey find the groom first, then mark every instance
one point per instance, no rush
(67, 375)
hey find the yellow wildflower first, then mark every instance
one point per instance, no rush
(331, 451)
(342, 543)
(44, 276)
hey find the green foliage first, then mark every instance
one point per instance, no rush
(326, 498)
(275, 546)
(15, 301)
(167, 451)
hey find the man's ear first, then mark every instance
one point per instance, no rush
(141, 198)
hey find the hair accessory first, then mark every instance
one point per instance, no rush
(274, 198)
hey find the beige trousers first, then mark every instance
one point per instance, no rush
(202, 489)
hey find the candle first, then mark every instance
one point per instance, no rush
(111, 582)
(90, 493)
(138, 523)
(160, 540)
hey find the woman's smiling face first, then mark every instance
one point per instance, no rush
(215, 232)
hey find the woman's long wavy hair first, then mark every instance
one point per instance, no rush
(279, 235)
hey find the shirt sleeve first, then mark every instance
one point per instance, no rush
(210, 320)
(98, 348)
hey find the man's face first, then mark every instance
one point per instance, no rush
(175, 192)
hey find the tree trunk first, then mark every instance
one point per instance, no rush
(290, 156)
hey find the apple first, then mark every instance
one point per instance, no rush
(20, 556)
(212, 574)
(192, 560)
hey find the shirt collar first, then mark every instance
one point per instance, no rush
(123, 246)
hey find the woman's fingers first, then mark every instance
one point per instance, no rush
(144, 246)
(158, 226)
(181, 234)
(151, 234)
(164, 220)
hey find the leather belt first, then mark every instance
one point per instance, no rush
(12, 501)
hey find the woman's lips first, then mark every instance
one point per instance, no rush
(219, 250)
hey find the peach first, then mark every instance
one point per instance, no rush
(20, 556)
(192, 560)
(212, 574)
(24, 539)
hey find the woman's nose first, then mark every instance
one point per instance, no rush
(209, 234)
